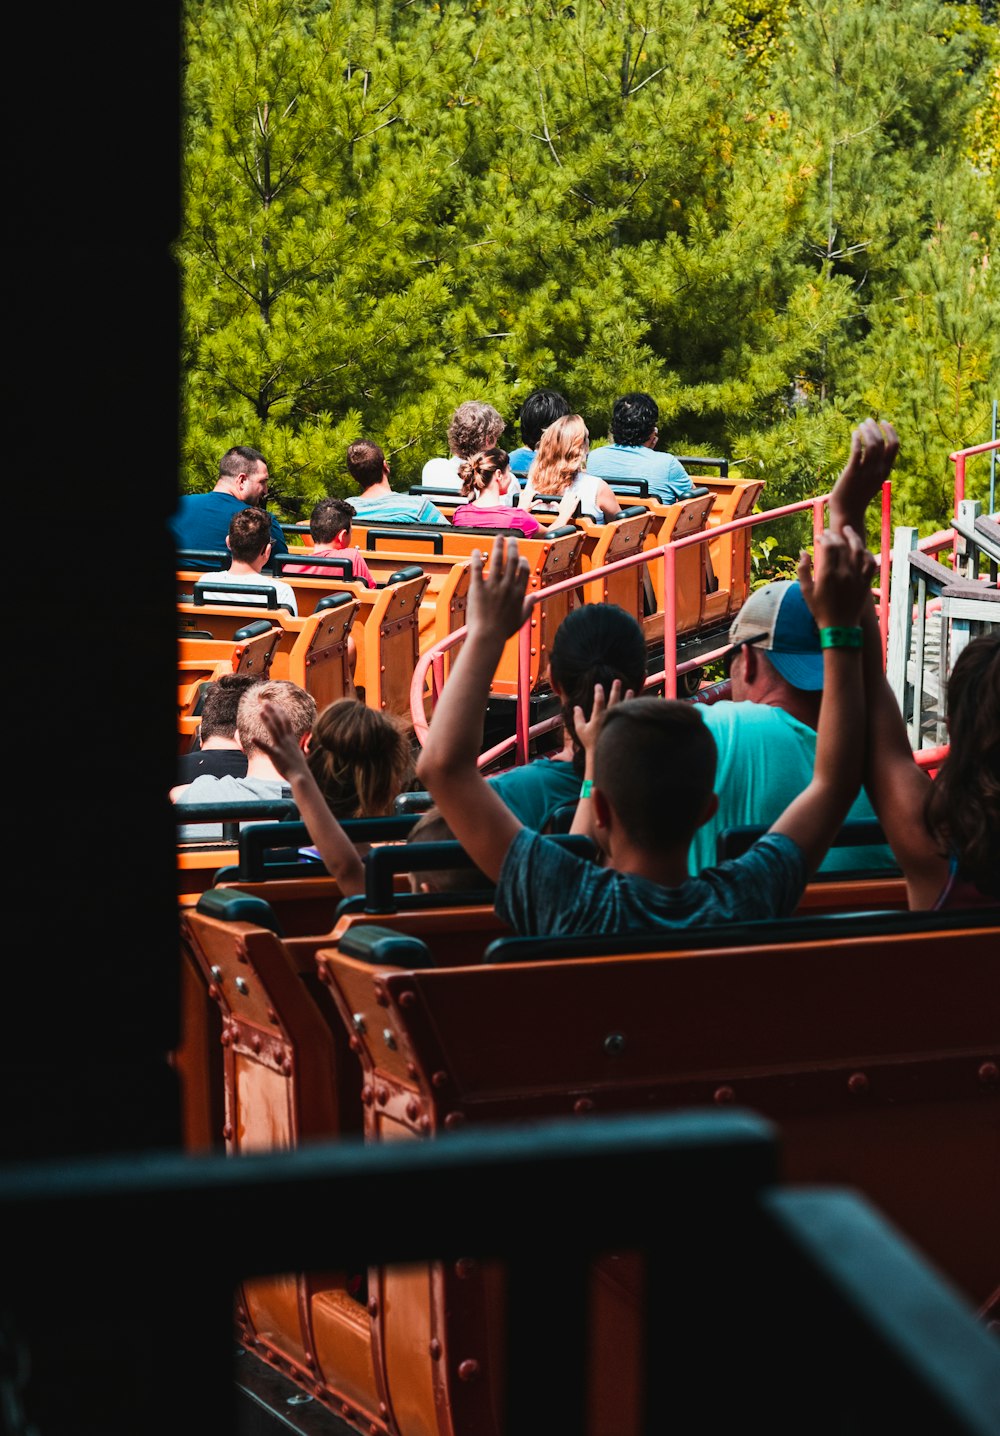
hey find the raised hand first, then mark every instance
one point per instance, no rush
(281, 745)
(497, 606)
(874, 446)
(588, 729)
(838, 589)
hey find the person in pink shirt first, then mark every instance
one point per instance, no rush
(486, 477)
(330, 526)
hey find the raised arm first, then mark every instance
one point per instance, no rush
(448, 767)
(335, 848)
(836, 596)
(587, 731)
(897, 788)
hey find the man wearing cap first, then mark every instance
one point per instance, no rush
(766, 737)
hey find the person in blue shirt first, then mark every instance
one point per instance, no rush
(378, 501)
(541, 408)
(201, 521)
(634, 455)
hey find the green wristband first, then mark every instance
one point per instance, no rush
(586, 787)
(841, 637)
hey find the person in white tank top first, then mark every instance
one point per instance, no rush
(558, 479)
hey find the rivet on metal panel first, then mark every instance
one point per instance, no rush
(412, 1110)
(345, 1410)
(435, 1349)
(425, 1124)
(857, 1082)
(389, 1038)
(382, 1095)
(372, 1306)
(723, 1094)
(407, 998)
(227, 1132)
(286, 1065)
(614, 1044)
(225, 1037)
(366, 1096)
(213, 991)
(454, 1119)
(468, 1370)
(383, 1409)
(242, 986)
(411, 1068)
(255, 1043)
(358, 1022)
(301, 1398)
(440, 1078)
(217, 973)
(988, 1073)
(272, 1016)
(310, 1360)
(583, 1104)
(380, 996)
(372, 1428)
(354, 1043)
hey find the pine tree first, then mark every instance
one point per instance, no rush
(767, 216)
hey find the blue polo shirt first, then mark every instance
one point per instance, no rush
(667, 477)
(202, 521)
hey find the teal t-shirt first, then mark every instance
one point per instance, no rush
(536, 790)
(765, 760)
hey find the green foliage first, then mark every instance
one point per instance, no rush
(768, 564)
(763, 213)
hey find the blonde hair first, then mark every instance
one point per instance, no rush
(561, 454)
(298, 706)
(362, 759)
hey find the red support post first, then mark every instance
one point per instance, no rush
(522, 717)
(885, 568)
(959, 496)
(669, 622)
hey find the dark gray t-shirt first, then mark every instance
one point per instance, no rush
(543, 889)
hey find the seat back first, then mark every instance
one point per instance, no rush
(730, 554)
(675, 521)
(800, 1020)
(606, 544)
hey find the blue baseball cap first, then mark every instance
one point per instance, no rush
(775, 618)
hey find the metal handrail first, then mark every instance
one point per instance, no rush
(958, 458)
(432, 660)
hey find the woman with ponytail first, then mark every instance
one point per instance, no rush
(486, 479)
(593, 646)
(558, 481)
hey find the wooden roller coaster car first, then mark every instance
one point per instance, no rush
(872, 1040)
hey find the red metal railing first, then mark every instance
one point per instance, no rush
(958, 458)
(431, 662)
